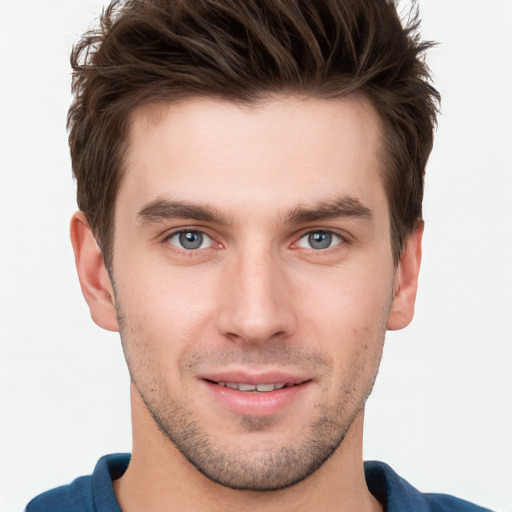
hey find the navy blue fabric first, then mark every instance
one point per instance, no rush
(397, 495)
(95, 493)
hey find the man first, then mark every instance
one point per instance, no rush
(250, 177)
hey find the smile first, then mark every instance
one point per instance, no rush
(257, 395)
(261, 388)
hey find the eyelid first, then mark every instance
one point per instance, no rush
(191, 229)
(344, 238)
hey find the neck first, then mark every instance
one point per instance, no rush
(160, 478)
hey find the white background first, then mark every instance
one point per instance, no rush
(441, 413)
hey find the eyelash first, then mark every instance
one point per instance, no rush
(342, 240)
(329, 232)
(190, 252)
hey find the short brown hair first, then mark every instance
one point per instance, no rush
(242, 51)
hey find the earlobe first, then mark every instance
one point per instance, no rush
(406, 281)
(92, 273)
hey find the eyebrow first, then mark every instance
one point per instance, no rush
(333, 209)
(161, 209)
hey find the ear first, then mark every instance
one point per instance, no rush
(406, 281)
(92, 273)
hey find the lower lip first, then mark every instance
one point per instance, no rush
(254, 403)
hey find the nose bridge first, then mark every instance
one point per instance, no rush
(255, 308)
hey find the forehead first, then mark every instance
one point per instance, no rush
(275, 154)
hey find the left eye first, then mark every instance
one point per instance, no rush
(319, 240)
(190, 240)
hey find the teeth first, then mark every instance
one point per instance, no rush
(246, 387)
(265, 387)
(262, 388)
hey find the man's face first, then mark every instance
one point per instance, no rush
(254, 279)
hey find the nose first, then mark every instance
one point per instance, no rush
(256, 303)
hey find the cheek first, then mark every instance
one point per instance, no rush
(351, 302)
(347, 321)
(164, 309)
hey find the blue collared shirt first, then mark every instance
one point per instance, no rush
(95, 493)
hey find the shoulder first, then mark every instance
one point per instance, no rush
(446, 503)
(67, 498)
(87, 493)
(400, 496)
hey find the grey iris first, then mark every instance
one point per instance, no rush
(320, 240)
(191, 239)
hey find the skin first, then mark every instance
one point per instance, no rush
(259, 295)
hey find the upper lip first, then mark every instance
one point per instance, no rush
(254, 378)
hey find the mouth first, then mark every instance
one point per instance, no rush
(255, 388)
(257, 395)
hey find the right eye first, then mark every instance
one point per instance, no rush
(190, 240)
